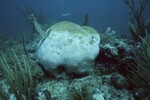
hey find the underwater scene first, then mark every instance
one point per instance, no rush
(75, 50)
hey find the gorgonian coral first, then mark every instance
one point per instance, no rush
(140, 71)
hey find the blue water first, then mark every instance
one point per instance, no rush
(102, 14)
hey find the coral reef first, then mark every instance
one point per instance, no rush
(95, 89)
(115, 53)
(105, 82)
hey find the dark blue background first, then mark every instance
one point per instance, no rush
(102, 13)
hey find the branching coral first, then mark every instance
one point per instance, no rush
(19, 77)
(137, 24)
(140, 71)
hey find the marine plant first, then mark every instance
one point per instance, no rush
(139, 72)
(137, 23)
(19, 77)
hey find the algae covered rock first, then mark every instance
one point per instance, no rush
(68, 46)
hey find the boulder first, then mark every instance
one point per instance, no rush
(68, 46)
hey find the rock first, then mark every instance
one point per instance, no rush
(119, 81)
(70, 46)
(98, 97)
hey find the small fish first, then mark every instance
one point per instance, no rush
(65, 15)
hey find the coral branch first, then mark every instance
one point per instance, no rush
(136, 16)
